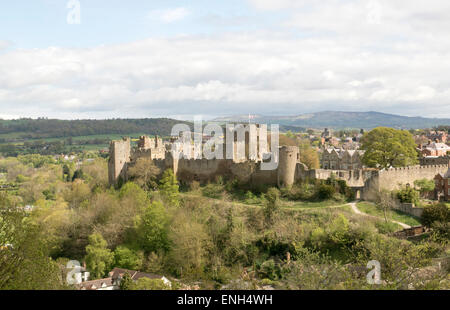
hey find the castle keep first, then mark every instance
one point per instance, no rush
(246, 166)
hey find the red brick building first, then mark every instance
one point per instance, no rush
(435, 149)
(442, 186)
(437, 136)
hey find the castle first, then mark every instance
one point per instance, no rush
(243, 166)
(247, 166)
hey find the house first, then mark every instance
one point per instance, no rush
(338, 159)
(442, 186)
(435, 149)
(115, 276)
(437, 136)
(106, 284)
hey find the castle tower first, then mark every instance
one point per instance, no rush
(119, 156)
(287, 165)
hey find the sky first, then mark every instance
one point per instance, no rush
(130, 59)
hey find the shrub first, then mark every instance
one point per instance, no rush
(386, 227)
(272, 204)
(324, 191)
(213, 191)
(408, 195)
(270, 270)
(435, 213)
(195, 185)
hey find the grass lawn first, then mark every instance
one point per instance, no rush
(309, 204)
(395, 215)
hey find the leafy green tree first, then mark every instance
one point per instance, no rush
(169, 188)
(126, 283)
(98, 258)
(385, 147)
(127, 258)
(424, 186)
(152, 229)
(24, 257)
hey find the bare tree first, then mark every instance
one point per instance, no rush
(385, 202)
(144, 173)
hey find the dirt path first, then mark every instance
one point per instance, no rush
(357, 211)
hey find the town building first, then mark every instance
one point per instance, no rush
(437, 136)
(435, 149)
(339, 159)
(115, 276)
(442, 186)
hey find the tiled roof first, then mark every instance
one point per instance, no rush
(135, 275)
(96, 284)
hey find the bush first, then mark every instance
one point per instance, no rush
(213, 191)
(435, 213)
(324, 192)
(270, 270)
(272, 204)
(408, 195)
(302, 191)
(195, 185)
(386, 227)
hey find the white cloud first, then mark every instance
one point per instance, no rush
(395, 59)
(170, 15)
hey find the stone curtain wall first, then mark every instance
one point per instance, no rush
(394, 178)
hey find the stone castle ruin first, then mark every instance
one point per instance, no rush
(246, 166)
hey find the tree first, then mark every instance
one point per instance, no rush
(126, 283)
(169, 188)
(98, 258)
(152, 229)
(424, 186)
(24, 258)
(385, 202)
(435, 213)
(385, 147)
(144, 173)
(127, 258)
(190, 245)
(309, 156)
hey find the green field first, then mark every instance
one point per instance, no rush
(309, 204)
(395, 215)
(84, 147)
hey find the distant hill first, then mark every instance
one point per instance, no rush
(54, 128)
(341, 120)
